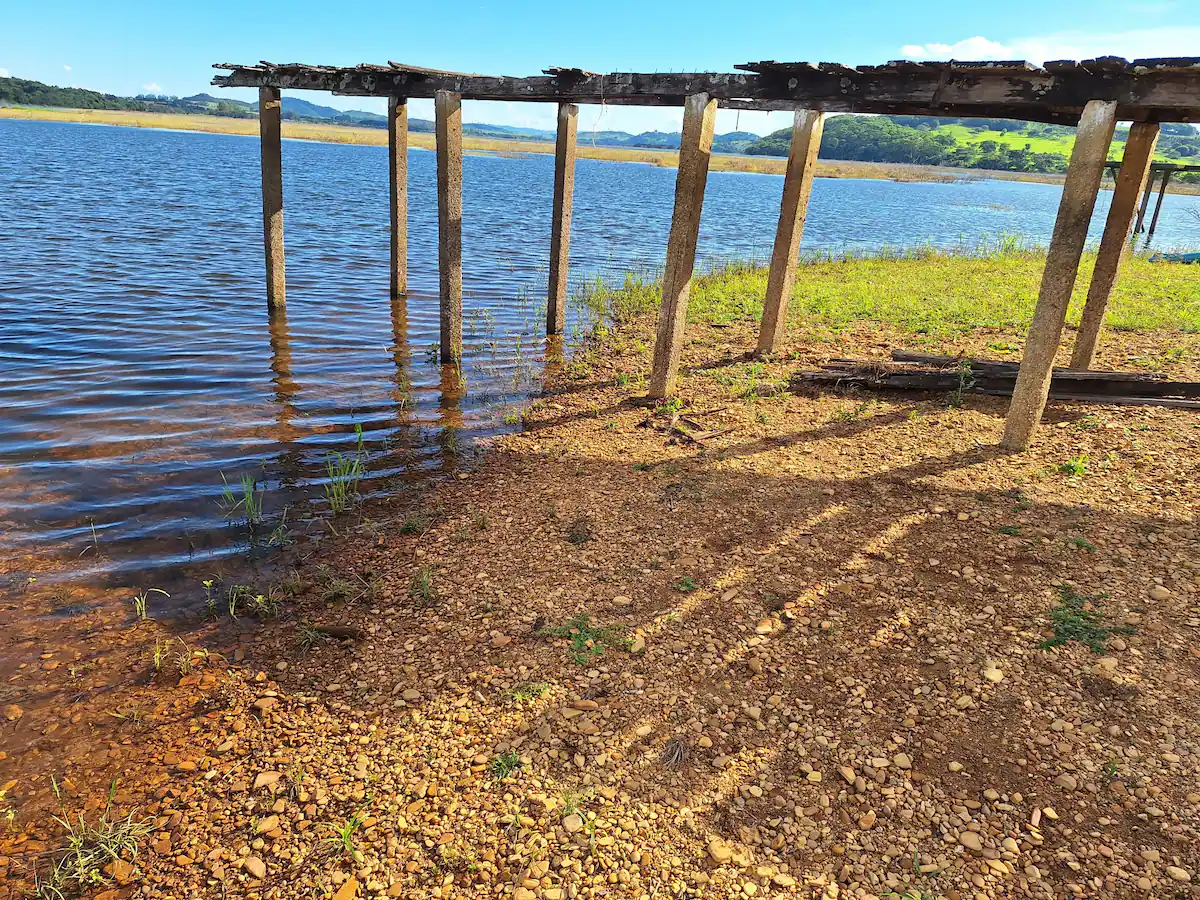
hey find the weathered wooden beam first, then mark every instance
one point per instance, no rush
(448, 127)
(1162, 192)
(1092, 139)
(560, 223)
(1131, 182)
(695, 152)
(807, 127)
(398, 192)
(1052, 95)
(1147, 190)
(271, 151)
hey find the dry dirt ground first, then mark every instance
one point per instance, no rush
(806, 657)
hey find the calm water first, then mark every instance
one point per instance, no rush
(138, 367)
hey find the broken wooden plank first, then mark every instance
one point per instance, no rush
(936, 359)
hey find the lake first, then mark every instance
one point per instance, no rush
(139, 372)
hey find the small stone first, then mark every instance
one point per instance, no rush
(348, 890)
(501, 640)
(720, 853)
(813, 777)
(1158, 592)
(585, 705)
(955, 766)
(266, 779)
(265, 704)
(970, 840)
(255, 867)
(847, 774)
(573, 823)
(638, 645)
(644, 730)
(270, 823)
(12, 712)
(902, 761)
(994, 675)
(1067, 781)
(866, 822)
(411, 694)
(1177, 874)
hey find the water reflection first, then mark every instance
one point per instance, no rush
(135, 377)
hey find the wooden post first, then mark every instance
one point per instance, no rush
(1162, 191)
(448, 124)
(797, 185)
(695, 150)
(398, 191)
(560, 224)
(1131, 183)
(1092, 139)
(1141, 219)
(272, 193)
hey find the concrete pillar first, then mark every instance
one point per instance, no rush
(1092, 140)
(272, 193)
(448, 125)
(398, 191)
(797, 185)
(560, 224)
(695, 151)
(1131, 183)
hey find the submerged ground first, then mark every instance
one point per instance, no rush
(841, 647)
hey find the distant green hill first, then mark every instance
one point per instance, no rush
(1001, 144)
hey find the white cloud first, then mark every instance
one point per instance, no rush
(4, 73)
(971, 48)
(1145, 42)
(66, 68)
(152, 88)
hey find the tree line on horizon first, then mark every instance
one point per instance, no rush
(914, 140)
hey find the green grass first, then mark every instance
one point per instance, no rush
(588, 641)
(1077, 618)
(923, 291)
(505, 764)
(89, 848)
(1055, 143)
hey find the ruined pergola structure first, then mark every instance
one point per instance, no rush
(1093, 95)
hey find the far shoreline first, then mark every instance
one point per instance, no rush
(344, 134)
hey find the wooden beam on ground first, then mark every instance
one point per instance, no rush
(1162, 192)
(448, 126)
(1082, 183)
(560, 223)
(398, 191)
(272, 193)
(695, 152)
(1131, 183)
(807, 127)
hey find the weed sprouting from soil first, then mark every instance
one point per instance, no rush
(505, 764)
(1077, 618)
(89, 848)
(588, 641)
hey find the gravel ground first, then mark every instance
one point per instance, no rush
(842, 647)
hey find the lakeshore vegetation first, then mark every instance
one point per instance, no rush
(923, 292)
(1030, 151)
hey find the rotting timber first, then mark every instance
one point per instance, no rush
(1093, 94)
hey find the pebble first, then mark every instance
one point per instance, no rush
(970, 840)
(1177, 874)
(255, 867)
(12, 712)
(719, 852)
(1158, 592)
(573, 823)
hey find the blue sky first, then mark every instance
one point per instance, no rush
(128, 47)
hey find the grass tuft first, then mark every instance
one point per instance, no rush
(1077, 619)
